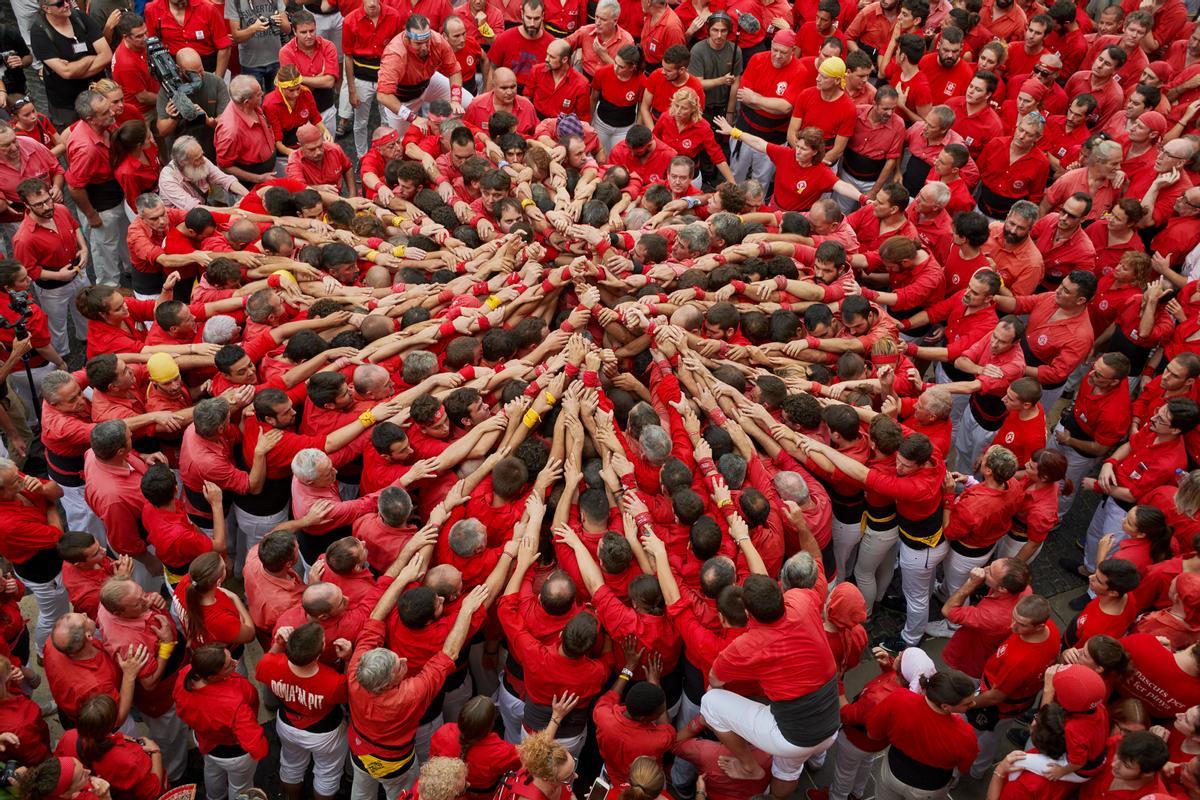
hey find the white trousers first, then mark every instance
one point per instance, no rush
(957, 567)
(573, 744)
(80, 516)
(1079, 466)
(251, 529)
(59, 305)
(228, 777)
(848, 204)
(327, 751)
(52, 603)
(726, 712)
(889, 787)
(365, 91)
(438, 89)
(1050, 398)
(512, 712)
(608, 135)
(683, 773)
(851, 768)
(108, 246)
(970, 439)
(845, 543)
(958, 401)
(424, 735)
(1008, 547)
(876, 564)
(917, 568)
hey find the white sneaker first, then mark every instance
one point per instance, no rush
(940, 629)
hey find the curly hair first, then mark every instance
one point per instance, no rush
(542, 757)
(443, 779)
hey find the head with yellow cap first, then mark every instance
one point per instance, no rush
(831, 75)
(164, 373)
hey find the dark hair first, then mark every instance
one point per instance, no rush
(947, 687)
(202, 573)
(475, 721)
(305, 644)
(763, 598)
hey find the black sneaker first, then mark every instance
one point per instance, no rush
(1074, 566)
(893, 644)
(1018, 735)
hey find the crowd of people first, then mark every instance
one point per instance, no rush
(563, 434)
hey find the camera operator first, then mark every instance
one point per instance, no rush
(52, 247)
(207, 91)
(258, 27)
(14, 58)
(17, 310)
(132, 70)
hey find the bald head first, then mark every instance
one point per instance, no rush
(444, 579)
(454, 27)
(70, 633)
(559, 49)
(189, 60)
(503, 75)
(792, 486)
(322, 600)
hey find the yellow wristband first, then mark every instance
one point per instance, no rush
(165, 649)
(396, 220)
(399, 250)
(531, 418)
(723, 503)
(492, 302)
(366, 419)
(371, 255)
(735, 133)
(486, 31)
(526, 203)
(549, 398)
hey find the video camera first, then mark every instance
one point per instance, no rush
(19, 302)
(166, 72)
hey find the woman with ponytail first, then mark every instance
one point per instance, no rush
(132, 768)
(1147, 539)
(221, 708)
(1037, 514)
(646, 782)
(210, 613)
(488, 756)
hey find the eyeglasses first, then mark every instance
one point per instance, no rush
(1069, 215)
(56, 3)
(1045, 73)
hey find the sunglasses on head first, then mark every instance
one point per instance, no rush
(21, 103)
(57, 3)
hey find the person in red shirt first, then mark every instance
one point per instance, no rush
(290, 107)
(520, 48)
(685, 130)
(1112, 608)
(980, 516)
(929, 738)
(1147, 460)
(130, 67)
(1024, 428)
(221, 708)
(132, 767)
(631, 721)
(21, 716)
(1013, 675)
(136, 157)
(1012, 168)
(662, 84)
(1133, 770)
(766, 98)
(503, 96)
(310, 723)
(366, 31)
(1038, 515)
(191, 24)
(826, 106)
(319, 162)
(661, 30)
(646, 158)
(616, 95)
(78, 667)
(1100, 82)
(946, 70)
(176, 540)
(801, 176)
(974, 117)
(555, 87)
(472, 739)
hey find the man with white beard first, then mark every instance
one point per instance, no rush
(189, 177)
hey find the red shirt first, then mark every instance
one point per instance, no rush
(72, 681)
(1061, 257)
(943, 741)
(946, 84)
(1023, 179)
(1022, 436)
(175, 538)
(286, 119)
(664, 91)
(660, 35)
(563, 17)
(761, 76)
(20, 715)
(1155, 678)
(26, 532)
(487, 760)
(621, 740)
(306, 700)
(982, 627)
(483, 106)
(1018, 667)
(137, 177)
(203, 29)
(691, 140)
(83, 585)
(980, 516)
(1059, 344)
(221, 621)
(366, 38)
(834, 117)
(797, 187)
(1150, 463)
(976, 129)
(547, 672)
(1094, 621)
(115, 494)
(329, 171)
(511, 49)
(125, 765)
(132, 70)
(550, 96)
(1108, 255)
(242, 140)
(222, 713)
(1103, 416)
(653, 168)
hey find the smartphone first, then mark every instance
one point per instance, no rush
(599, 790)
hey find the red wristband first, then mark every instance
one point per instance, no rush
(446, 329)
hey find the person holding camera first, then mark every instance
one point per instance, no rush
(14, 58)
(258, 28)
(190, 25)
(131, 68)
(51, 246)
(206, 91)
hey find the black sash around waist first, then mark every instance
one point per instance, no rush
(324, 98)
(772, 129)
(992, 204)
(275, 496)
(911, 772)
(1032, 360)
(147, 282)
(537, 717)
(64, 470)
(365, 68)
(105, 195)
(989, 410)
(861, 167)
(915, 173)
(411, 91)
(615, 116)
(42, 567)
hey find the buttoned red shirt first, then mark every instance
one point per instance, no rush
(268, 595)
(144, 247)
(87, 157)
(1061, 257)
(203, 30)
(1024, 178)
(1151, 462)
(435, 11)
(876, 141)
(132, 70)
(222, 713)
(583, 40)
(127, 337)
(982, 627)
(1060, 344)
(691, 140)
(329, 171)
(1020, 266)
(660, 35)
(243, 140)
(976, 129)
(653, 168)
(67, 436)
(1109, 97)
(565, 16)
(483, 106)
(39, 247)
(34, 161)
(74, 680)
(363, 37)
(401, 69)
(322, 61)
(114, 492)
(871, 27)
(962, 329)
(26, 531)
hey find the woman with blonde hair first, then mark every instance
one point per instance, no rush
(646, 782)
(684, 129)
(441, 779)
(546, 766)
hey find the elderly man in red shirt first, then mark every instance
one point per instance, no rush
(22, 158)
(416, 68)
(66, 434)
(93, 187)
(1012, 168)
(78, 667)
(386, 703)
(322, 163)
(112, 475)
(244, 139)
(128, 618)
(32, 529)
